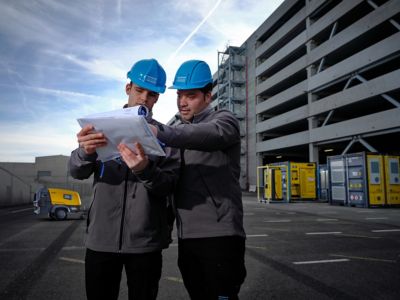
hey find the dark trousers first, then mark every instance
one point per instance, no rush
(212, 268)
(103, 273)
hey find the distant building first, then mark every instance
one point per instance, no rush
(19, 181)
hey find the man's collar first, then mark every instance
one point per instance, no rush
(201, 115)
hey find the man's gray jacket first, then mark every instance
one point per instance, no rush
(128, 213)
(208, 198)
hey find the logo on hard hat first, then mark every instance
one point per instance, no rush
(147, 78)
(181, 79)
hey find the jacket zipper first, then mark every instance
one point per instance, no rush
(121, 231)
(178, 217)
(88, 212)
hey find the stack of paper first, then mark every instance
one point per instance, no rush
(123, 126)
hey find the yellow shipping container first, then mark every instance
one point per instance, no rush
(376, 180)
(392, 182)
(273, 184)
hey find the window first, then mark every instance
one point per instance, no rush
(43, 173)
(374, 167)
(67, 196)
(394, 167)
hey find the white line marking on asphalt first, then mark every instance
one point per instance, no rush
(365, 211)
(365, 258)
(21, 249)
(256, 247)
(73, 248)
(320, 261)
(326, 232)
(386, 230)
(277, 221)
(175, 279)
(256, 235)
(326, 220)
(79, 261)
(361, 236)
(380, 218)
(19, 210)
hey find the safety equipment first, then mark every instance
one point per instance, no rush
(192, 74)
(148, 74)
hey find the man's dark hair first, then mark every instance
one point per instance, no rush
(206, 89)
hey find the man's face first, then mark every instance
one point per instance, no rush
(192, 102)
(140, 96)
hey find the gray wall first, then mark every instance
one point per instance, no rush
(19, 181)
(13, 189)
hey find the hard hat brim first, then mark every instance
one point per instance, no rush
(189, 86)
(149, 87)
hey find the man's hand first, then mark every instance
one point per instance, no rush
(136, 160)
(90, 140)
(153, 129)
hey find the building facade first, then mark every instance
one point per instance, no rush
(317, 78)
(19, 181)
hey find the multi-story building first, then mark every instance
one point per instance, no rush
(317, 78)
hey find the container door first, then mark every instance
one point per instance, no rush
(267, 184)
(392, 182)
(295, 181)
(307, 183)
(376, 185)
(356, 180)
(278, 184)
(323, 182)
(337, 180)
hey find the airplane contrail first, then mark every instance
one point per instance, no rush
(20, 90)
(173, 55)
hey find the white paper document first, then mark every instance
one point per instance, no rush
(123, 126)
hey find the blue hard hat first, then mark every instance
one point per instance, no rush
(148, 74)
(192, 74)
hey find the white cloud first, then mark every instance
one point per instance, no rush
(67, 59)
(26, 141)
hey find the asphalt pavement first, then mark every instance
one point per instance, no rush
(293, 251)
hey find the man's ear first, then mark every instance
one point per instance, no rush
(207, 97)
(128, 88)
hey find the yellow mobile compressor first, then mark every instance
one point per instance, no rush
(56, 203)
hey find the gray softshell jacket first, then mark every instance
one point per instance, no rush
(208, 200)
(128, 213)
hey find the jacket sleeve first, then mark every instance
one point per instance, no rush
(217, 134)
(160, 176)
(81, 165)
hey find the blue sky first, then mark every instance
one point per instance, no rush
(61, 60)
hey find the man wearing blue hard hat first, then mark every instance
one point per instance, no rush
(127, 222)
(209, 210)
